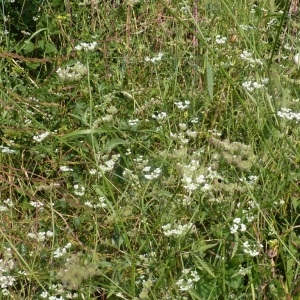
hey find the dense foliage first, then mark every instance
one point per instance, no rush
(149, 150)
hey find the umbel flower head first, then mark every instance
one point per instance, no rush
(73, 73)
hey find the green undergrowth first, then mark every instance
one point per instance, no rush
(149, 150)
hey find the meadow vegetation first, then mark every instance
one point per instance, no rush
(149, 150)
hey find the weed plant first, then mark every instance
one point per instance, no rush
(149, 150)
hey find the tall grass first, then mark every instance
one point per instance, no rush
(149, 150)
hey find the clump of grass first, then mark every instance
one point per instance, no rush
(150, 151)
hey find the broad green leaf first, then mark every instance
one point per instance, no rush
(28, 47)
(41, 44)
(50, 48)
(33, 65)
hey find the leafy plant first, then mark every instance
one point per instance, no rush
(149, 150)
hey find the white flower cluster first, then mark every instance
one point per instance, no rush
(106, 166)
(182, 139)
(160, 116)
(145, 260)
(214, 132)
(5, 149)
(7, 264)
(252, 250)
(6, 281)
(251, 179)
(184, 9)
(107, 118)
(192, 177)
(177, 230)
(248, 213)
(237, 225)
(183, 136)
(190, 278)
(79, 190)
(153, 175)
(182, 105)
(101, 203)
(59, 252)
(7, 204)
(248, 57)
(73, 73)
(243, 271)
(65, 169)
(86, 46)
(140, 162)
(250, 86)
(272, 22)
(40, 236)
(246, 27)
(109, 164)
(3, 208)
(221, 40)
(288, 114)
(37, 204)
(154, 59)
(280, 203)
(133, 122)
(58, 289)
(41, 137)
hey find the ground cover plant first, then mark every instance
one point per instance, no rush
(149, 150)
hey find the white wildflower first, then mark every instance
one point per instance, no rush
(41, 137)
